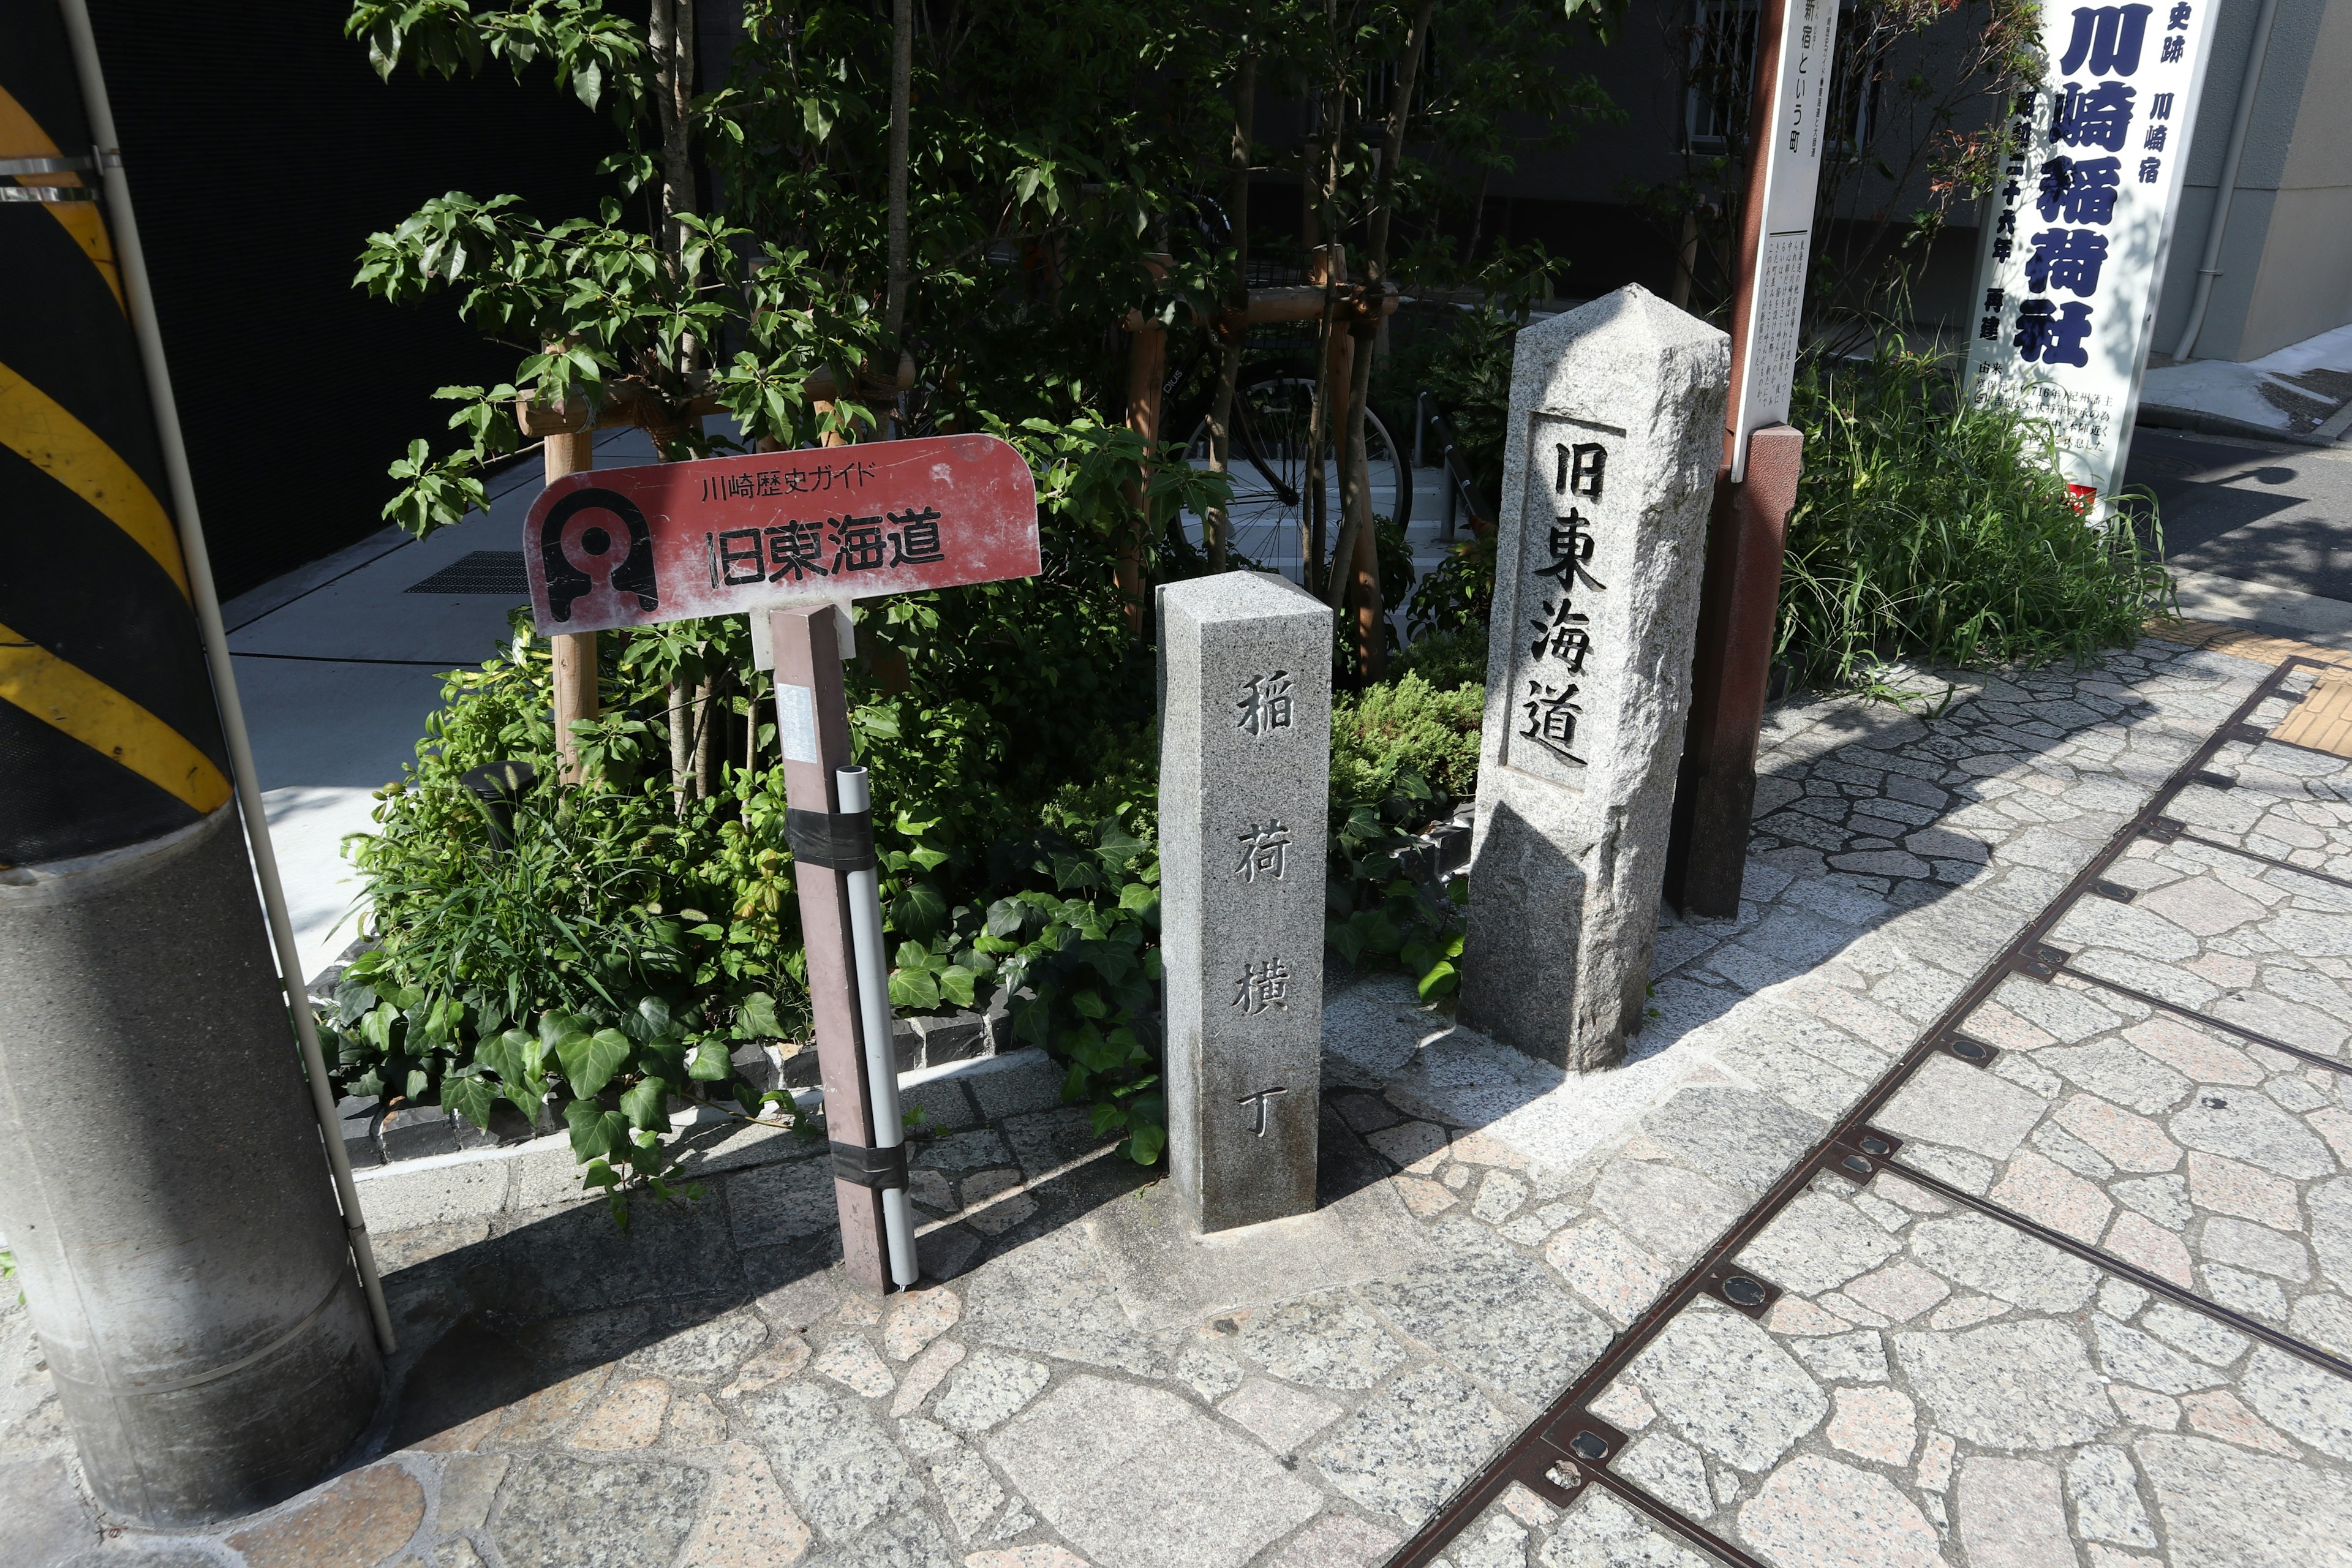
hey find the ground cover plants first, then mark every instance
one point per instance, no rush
(1934, 528)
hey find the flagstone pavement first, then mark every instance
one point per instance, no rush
(1077, 1383)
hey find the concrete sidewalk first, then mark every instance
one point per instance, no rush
(2089, 1311)
(340, 662)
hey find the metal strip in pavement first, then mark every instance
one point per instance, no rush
(1530, 1457)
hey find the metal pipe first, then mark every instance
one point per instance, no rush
(131, 261)
(856, 794)
(2209, 268)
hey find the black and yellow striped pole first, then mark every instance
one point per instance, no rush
(173, 1207)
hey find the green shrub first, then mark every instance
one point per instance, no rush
(1445, 659)
(1936, 529)
(1402, 753)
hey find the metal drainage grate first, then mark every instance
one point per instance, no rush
(483, 572)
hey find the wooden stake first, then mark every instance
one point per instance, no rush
(575, 698)
(813, 721)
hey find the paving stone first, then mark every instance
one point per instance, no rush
(2105, 1496)
(777, 1361)
(2300, 1400)
(2016, 1385)
(705, 1352)
(916, 1318)
(831, 1457)
(903, 1541)
(1326, 1340)
(2331, 1228)
(1137, 1477)
(694, 1421)
(1494, 1313)
(2195, 1332)
(1339, 1541)
(851, 1361)
(1670, 1470)
(1408, 1447)
(1934, 1470)
(961, 1478)
(1043, 1555)
(1499, 1197)
(546, 1412)
(1815, 1512)
(2130, 1356)
(988, 1389)
(1279, 1416)
(1605, 1266)
(2224, 1508)
(2124, 1136)
(2156, 1412)
(1492, 1541)
(1728, 1386)
(924, 1374)
(2193, 1052)
(2218, 1413)
(804, 1301)
(2013, 1514)
(1963, 1311)
(2248, 1245)
(1425, 1199)
(1817, 1243)
(1984, 1255)
(559, 1512)
(630, 1416)
(2250, 1294)
(1859, 1357)
(2231, 1187)
(2135, 1239)
(2325, 1321)
(1874, 1423)
(1602, 1532)
(1052, 1296)
(1795, 1315)
(47, 1519)
(362, 1517)
(1529, 1509)
(777, 1203)
(2251, 1128)
(1947, 1102)
(1623, 1406)
(1671, 1211)
(1898, 1292)
(747, 1522)
(1416, 1146)
(1734, 1135)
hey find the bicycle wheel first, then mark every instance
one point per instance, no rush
(1267, 461)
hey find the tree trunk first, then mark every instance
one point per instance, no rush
(1359, 543)
(1215, 523)
(669, 39)
(707, 712)
(681, 742)
(902, 70)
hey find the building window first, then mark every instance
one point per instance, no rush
(1722, 76)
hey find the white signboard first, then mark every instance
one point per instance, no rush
(1792, 172)
(2079, 226)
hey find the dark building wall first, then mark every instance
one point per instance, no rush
(263, 151)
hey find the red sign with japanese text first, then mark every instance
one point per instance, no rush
(722, 536)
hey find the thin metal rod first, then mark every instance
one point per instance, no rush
(856, 794)
(131, 261)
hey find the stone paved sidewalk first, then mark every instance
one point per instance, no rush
(1084, 1385)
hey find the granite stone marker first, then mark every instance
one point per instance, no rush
(1616, 429)
(1244, 760)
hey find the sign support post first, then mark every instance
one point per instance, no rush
(1756, 489)
(791, 539)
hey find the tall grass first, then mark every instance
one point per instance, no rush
(1936, 529)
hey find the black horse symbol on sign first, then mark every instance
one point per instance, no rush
(566, 581)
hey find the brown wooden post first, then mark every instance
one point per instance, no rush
(575, 698)
(1715, 798)
(813, 732)
(1706, 854)
(1146, 372)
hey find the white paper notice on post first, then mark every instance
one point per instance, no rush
(1793, 173)
(2077, 229)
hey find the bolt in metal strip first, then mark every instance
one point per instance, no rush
(1475, 1495)
(2154, 1283)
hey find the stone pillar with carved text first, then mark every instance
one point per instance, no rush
(1245, 765)
(1616, 429)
